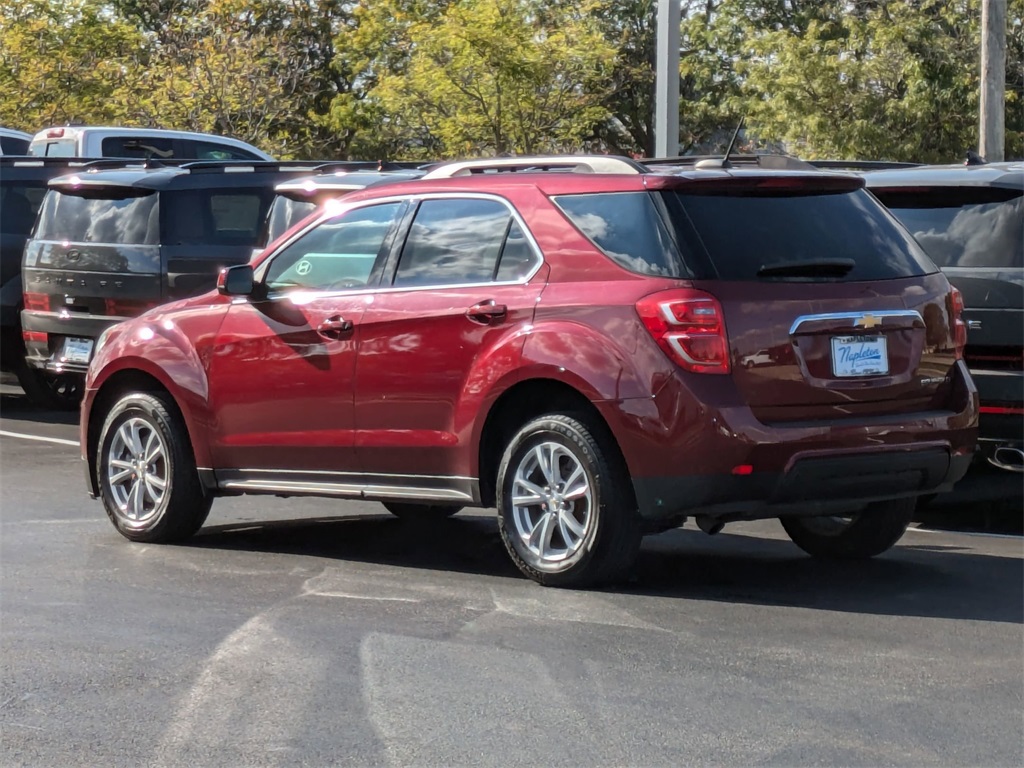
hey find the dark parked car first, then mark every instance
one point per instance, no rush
(23, 184)
(115, 239)
(970, 220)
(565, 346)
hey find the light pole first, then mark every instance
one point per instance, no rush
(666, 97)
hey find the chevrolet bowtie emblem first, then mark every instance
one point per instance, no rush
(868, 321)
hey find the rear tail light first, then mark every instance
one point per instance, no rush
(37, 302)
(959, 326)
(689, 327)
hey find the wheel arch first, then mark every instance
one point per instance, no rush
(114, 387)
(520, 403)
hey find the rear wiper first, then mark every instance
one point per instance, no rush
(813, 268)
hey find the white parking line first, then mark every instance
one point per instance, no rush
(58, 440)
(967, 533)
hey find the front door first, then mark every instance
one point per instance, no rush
(283, 366)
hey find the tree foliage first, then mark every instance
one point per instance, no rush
(895, 79)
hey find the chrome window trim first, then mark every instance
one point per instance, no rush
(911, 314)
(409, 198)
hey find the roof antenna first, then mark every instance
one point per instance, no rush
(732, 143)
(973, 158)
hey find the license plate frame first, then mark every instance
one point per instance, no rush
(76, 350)
(859, 356)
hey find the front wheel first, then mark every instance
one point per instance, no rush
(565, 505)
(146, 471)
(863, 535)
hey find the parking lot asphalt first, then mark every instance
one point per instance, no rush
(318, 632)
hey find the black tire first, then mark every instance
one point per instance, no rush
(864, 535)
(54, 391)
(183, 505)
(607, 548)
(421, 511)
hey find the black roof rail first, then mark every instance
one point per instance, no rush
(707, 162)
(43, 161)
(141, 163)
(862, 165)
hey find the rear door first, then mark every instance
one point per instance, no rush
(831, 309)
(466, 284)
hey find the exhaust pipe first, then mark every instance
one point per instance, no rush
(1008, 457)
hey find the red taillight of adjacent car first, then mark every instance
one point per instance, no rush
(959, 326)
(37, 302)
(689, 326)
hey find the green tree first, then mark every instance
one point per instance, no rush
(892, 79)
(64, 61)
(487, 76)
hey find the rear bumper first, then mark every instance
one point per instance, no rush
(699, 452)
(813, 484)
(44, 351)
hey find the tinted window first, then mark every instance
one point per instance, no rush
(966, 227)
(18, 207)
(452, 242)
(56, 149)
(133, 220)
(284, 214)
(743, 233)
(135, 146)
(628, 228)
(336, 254)
(214, 217)
(517, 257)
(12, 145)
(210, 150)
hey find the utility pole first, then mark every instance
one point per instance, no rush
(666, 97)
(992, 123)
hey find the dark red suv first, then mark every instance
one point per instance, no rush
(598, 350)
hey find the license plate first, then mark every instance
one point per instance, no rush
(859, 356)
(76, 350)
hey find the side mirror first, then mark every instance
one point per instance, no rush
(236, 281)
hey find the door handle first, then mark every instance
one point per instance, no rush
(487, 312)
(335, 327)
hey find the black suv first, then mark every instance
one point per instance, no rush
(114, 239)
(970, 220)
(23, 183)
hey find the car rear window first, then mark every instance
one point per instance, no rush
(743, 232)
(628, 228)
(128, 221)
(963, 226)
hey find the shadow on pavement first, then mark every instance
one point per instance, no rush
(915, 579)
(18, 408)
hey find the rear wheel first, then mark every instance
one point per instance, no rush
(565, 505)
(421, 511)
(146, 471)
(860, 536)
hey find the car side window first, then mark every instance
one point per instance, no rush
(337, 254)
(452, 242)
(208, 150)
(517, 257)
(137, 146)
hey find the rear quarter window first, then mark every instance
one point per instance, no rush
(214, 216)
(741, 232)
(628, 228)
(963, 226)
